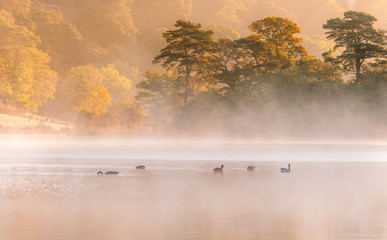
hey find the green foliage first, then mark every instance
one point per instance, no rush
(254, 50)
(230, 65)
(373, 87)
(188, 50)
(265, 71)
(356, 36)
(162, 95)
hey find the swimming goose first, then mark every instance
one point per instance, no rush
(251, 168)
(286, 170)
(108, 173)
(140, 167)
(218, 170)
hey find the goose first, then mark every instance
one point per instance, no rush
(218, 170)
(251, 168)
(140, 167)
(286, 170)
(108, 173)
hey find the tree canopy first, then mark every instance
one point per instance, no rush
(357, 40)
(188, 48)
(280, 45)
(26, 79)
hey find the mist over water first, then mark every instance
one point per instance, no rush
(111, 68)
(334, 191)
(108, 150)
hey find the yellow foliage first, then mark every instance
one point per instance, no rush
(281, 47)
(20, 9)
(117, 84)
(13, 35)
(26, 79)
(96, 103)
(90, 91)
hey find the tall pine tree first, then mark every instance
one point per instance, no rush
(355, 34)
(188, 48)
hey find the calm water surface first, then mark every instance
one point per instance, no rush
(60, 196)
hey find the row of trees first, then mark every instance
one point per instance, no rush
(51, 66)
(236, 84)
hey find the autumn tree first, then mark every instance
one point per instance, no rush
(356, 41)
(117, 84)
(253, 48)
(14, 35)
(60, 39)
(20, 10)
(106, 22)
(188, 50)
(26, 79)
(100, 97)
(83, 89)
(96, 103)
(277, 37)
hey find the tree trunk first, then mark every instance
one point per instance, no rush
(358, 63)
(186, 85)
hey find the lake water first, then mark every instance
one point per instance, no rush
(49, 189)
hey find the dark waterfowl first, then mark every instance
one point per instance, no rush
(140, 167)
(218, 170)
(251, 168)
(286, 170)
(108, 173)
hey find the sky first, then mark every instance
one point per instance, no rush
(310, 15)
(158, 16)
